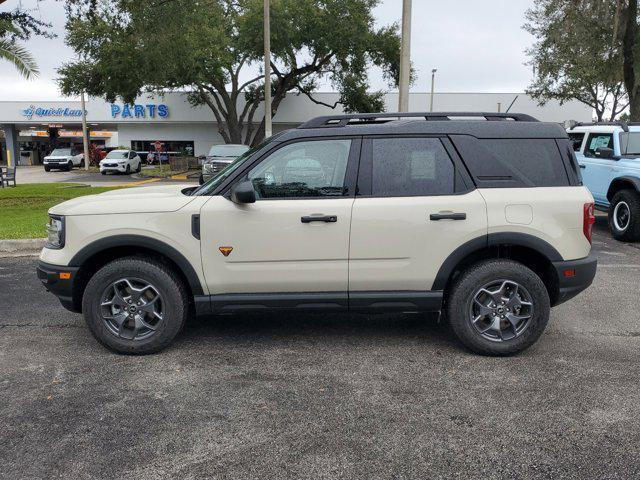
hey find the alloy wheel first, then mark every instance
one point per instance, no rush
(501, 310)
(621, 216)
(132, 308)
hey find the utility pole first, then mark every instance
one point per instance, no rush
(405, 57)
(267, 71)
(85, 132)
(433, 81)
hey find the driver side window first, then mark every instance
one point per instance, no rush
(303, 170)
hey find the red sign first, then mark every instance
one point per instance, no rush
(157, 146)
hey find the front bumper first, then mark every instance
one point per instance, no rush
(574, 276)
(54, 278)
(115, 168)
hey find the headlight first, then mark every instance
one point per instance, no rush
(55, 231)
(208, 167)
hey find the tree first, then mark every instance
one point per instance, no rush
(575, 55)
(627, 32)
(15, 26)
(214, 50)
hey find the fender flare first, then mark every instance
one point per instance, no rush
(492, 240)
(158, 246)
(625, 180)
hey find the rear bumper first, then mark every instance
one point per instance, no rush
(54, 282)
(574, 276)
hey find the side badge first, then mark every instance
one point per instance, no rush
(225, 250)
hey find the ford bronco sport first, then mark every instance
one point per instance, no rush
(609, 156)
(482, 217)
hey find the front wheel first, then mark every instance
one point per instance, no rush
(624, 216)
(47, 168)
(135, 305)
(69, 166)
(498, 307)
(127, 170)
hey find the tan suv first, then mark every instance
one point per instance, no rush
(482, 217)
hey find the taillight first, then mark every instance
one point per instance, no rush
(588, 219)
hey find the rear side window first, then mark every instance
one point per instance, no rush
(406, 167)
(514, 162)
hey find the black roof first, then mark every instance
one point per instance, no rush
(477, 124)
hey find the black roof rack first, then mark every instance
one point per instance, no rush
(623, 125)
(343, 120)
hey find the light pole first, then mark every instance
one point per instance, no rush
(405, 58)
(85, 132)
(267, 71)
(433, 81)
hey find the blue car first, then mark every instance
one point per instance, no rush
(609, 159)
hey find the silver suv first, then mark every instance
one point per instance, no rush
(220, 156)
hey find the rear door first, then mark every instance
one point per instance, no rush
(415, 207)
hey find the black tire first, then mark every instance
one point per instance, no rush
(461, 297)
(127, 170)
(103, 172)
(625, 228)
(47, 168)
(69, 166)
(174, 301)
(139, 169)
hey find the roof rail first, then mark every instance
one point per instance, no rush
(343, 120)
(624, 125)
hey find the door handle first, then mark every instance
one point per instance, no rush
(319, 218)
(448, 216)
(583, 166)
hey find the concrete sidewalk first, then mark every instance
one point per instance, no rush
(21, 248)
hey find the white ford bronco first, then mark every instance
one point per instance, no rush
(480, 216)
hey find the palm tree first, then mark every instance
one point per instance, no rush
(14, 53)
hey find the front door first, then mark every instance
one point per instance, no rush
(420, 206)
(295, 237)
(597, 172)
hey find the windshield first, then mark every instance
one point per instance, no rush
(61, 152)
(227, 150)
(630, 143)
(210, 186)
(117, 154)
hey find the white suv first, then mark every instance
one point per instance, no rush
(485, 220)
(63, 159)
(121, 161)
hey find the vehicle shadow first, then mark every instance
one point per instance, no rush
(254, 326)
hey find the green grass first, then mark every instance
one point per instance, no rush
(23, 209)
(160, 172)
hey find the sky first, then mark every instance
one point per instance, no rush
(476, 46)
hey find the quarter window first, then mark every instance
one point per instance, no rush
(406, 167)
(598, 140)
(302, 170)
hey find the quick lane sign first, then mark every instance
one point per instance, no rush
(65, 112)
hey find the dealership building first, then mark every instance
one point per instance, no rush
(31, 129)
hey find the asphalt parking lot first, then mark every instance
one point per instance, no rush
(317, 396)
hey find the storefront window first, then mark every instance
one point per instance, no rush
(175, 147)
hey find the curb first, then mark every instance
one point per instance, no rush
(21, 248)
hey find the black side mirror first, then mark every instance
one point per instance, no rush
(604, 152)
(243, 192)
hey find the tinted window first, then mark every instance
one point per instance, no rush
(303, 169)
(630, 143)
(404, 167)
(535, 162)
(576, 139)
(598, 140)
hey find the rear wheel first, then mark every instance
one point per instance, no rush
(498, 307)
(135, 305)
(624, 216)
(139, 169)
